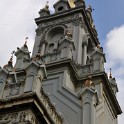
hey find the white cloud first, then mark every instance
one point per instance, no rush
(114, 48)
(115, 41)
(16, 23)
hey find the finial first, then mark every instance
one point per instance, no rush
(90, 8)
(12, 54)
(98, 45)
(26, 41)
(11, 58)
(47, 6)
(110, 76)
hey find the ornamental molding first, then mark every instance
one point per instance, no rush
(14, 118)
(44, 27)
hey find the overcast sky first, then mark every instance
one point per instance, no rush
(17, 22)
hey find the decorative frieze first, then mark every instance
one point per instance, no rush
(60, 21)
(19, 117)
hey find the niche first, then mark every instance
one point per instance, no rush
(55, 35)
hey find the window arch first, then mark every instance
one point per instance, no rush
(55, 34)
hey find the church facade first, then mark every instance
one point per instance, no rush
(64, 81)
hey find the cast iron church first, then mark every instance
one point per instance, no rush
(64, 81)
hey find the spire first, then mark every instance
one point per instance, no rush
(24, 48)
(110, 76)
(22, 56)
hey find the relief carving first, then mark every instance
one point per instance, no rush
(22, 117)
(14, 118)
(26, 116)
(14, 91)
(8, 119)
(60, 21)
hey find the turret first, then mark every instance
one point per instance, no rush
(45, 11)
(22, 57)
(98, 58)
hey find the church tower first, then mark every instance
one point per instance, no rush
(64, 82)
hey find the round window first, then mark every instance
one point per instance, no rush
(60, 8)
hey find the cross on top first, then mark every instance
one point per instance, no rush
(26, 40)
(12, 54)
(47, 2)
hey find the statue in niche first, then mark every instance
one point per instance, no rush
(89, 83)
(68, 34)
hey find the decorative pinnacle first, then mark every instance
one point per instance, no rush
(26, 41)
(90, 8)
(12, 54)
(11, 59)
(47, 6)
(110, 76)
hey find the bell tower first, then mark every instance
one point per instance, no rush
(74, 23)
(64, 82)
(77, 82)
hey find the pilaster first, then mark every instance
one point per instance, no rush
(89, 101)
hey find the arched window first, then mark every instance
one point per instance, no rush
(51, 48)
(55, 35)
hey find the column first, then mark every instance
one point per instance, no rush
(89, 100)
(43, 48)
(77, 38)
(84, 53)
